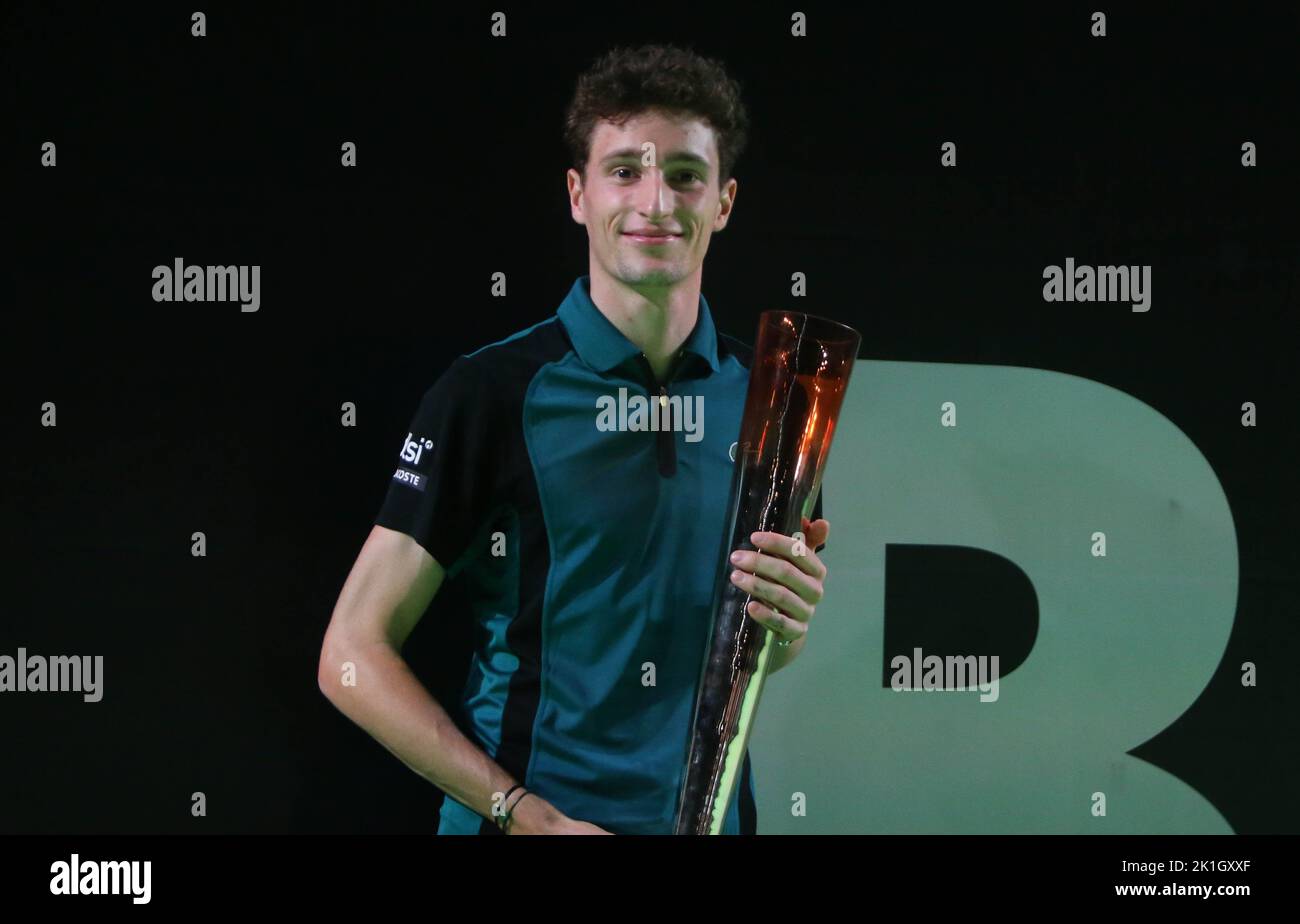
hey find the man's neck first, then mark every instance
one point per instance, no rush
(658, 321)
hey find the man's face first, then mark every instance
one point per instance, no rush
(677, 198)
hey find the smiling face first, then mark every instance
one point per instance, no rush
(649, 226)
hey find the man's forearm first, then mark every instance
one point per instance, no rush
(391, 704)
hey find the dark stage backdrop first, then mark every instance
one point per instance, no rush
(966, 496)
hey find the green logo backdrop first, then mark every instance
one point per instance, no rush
(1037, 463)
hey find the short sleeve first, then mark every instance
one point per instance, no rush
(445, 482)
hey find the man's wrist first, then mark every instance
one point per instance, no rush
(533, 815)
(503, 816)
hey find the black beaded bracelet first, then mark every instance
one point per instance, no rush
(510, 816)
(501, 819)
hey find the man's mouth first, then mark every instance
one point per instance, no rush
(650, 237)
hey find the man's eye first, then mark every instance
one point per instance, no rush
(688, 175)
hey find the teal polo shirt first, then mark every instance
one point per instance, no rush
(587, 535)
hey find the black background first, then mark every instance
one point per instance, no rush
(180, 417)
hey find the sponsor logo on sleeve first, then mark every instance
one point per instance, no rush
(411, 452)
(412, 448)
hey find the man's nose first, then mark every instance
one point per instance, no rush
(654, 196)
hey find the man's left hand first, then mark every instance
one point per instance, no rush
(785, 577)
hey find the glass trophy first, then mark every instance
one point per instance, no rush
(798, 377)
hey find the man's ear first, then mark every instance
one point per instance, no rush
(574, 180)
(726, 202)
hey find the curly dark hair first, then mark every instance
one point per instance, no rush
(625, 82)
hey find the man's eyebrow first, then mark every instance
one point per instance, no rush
(672, 157)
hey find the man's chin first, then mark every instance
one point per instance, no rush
(658, 277)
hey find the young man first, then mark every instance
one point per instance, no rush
(588, 542)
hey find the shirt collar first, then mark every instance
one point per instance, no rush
(602, 346)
